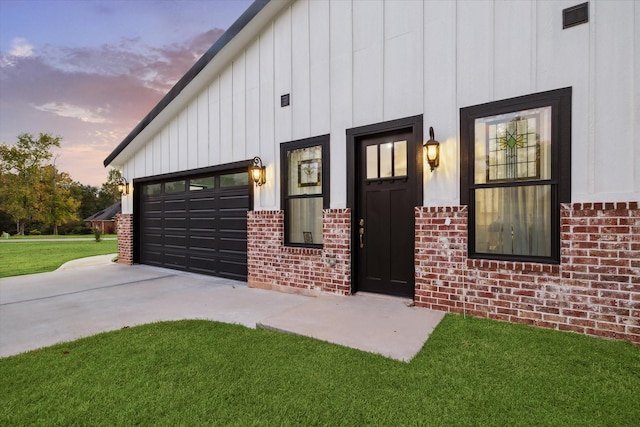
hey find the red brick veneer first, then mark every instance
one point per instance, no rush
(595, 290)
(124, 226)
(272, 265)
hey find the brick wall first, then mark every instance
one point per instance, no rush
(271, 265)
(595, 290)
(124, 224)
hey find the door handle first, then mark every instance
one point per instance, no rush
(361, 233)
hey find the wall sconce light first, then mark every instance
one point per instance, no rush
(432, 149)
(123, 186)
(258, 172)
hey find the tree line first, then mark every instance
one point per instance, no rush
(35, 197)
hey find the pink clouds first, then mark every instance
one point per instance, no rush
(91, 97)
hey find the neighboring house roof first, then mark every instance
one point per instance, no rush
(106, 214)
(208, 57)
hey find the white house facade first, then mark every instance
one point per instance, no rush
(528, 214)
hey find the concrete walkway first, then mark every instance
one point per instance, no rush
(89, 296)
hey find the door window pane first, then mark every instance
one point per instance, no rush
(372, 161)
(399, 158)
(385, 160)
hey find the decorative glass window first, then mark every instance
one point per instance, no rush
(516, 158)
(305, 189)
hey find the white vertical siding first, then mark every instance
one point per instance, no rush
(268, 151)
(351, 63)
(238, 108)
(214, 122)
(439, 99)
(282, 75)
(300, 85)
(614, 98)
(402, 71)
(319, 67)
(203, 129)
(341, 77)
(368, 61)
(192, 125)
(226, 115)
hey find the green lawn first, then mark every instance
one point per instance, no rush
(60, 236)
(17, 258)
(470, 372)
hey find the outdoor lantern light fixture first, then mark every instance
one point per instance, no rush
(258, 172)
(123, 186)
(432, 149)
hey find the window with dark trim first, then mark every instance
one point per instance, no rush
(304, 189)
(515, 172)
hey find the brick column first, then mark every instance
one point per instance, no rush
(124, 225)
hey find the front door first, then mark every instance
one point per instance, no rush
(384, 212)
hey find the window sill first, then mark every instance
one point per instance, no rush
(518, 266)
(301, 250)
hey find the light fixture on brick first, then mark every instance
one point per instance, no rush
(258, 172)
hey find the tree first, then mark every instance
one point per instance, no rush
(20, 176)
(56, 201)
(109, 193)
(87, 195)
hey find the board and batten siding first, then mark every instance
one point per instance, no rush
(353, 63)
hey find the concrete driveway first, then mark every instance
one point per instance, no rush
(95, 295)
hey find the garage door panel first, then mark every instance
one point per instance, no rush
(233, 201)
(233, 224)
(202, 204)
(202, 224)
(175, 259)
(233, 245)
(203, 231)
(209, 244)
(233, 269)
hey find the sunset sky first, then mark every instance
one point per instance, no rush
(89, 71)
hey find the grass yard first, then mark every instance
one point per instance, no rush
(470, 372)
(61, 236)
(17, 258)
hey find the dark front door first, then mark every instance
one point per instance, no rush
(384, 216)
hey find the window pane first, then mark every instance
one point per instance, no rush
(304, 218)
(205, 183)
(175, 186)
(514, 220)
(234, 179)
(151, 189)
(372, 161)
(385, 160)
(513, 146)
(399, 158)
(305, 171)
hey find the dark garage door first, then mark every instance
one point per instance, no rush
(196, 224)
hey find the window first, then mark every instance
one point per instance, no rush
(305, 189)
(515, 172)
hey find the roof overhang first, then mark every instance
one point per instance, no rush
(246, 28)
